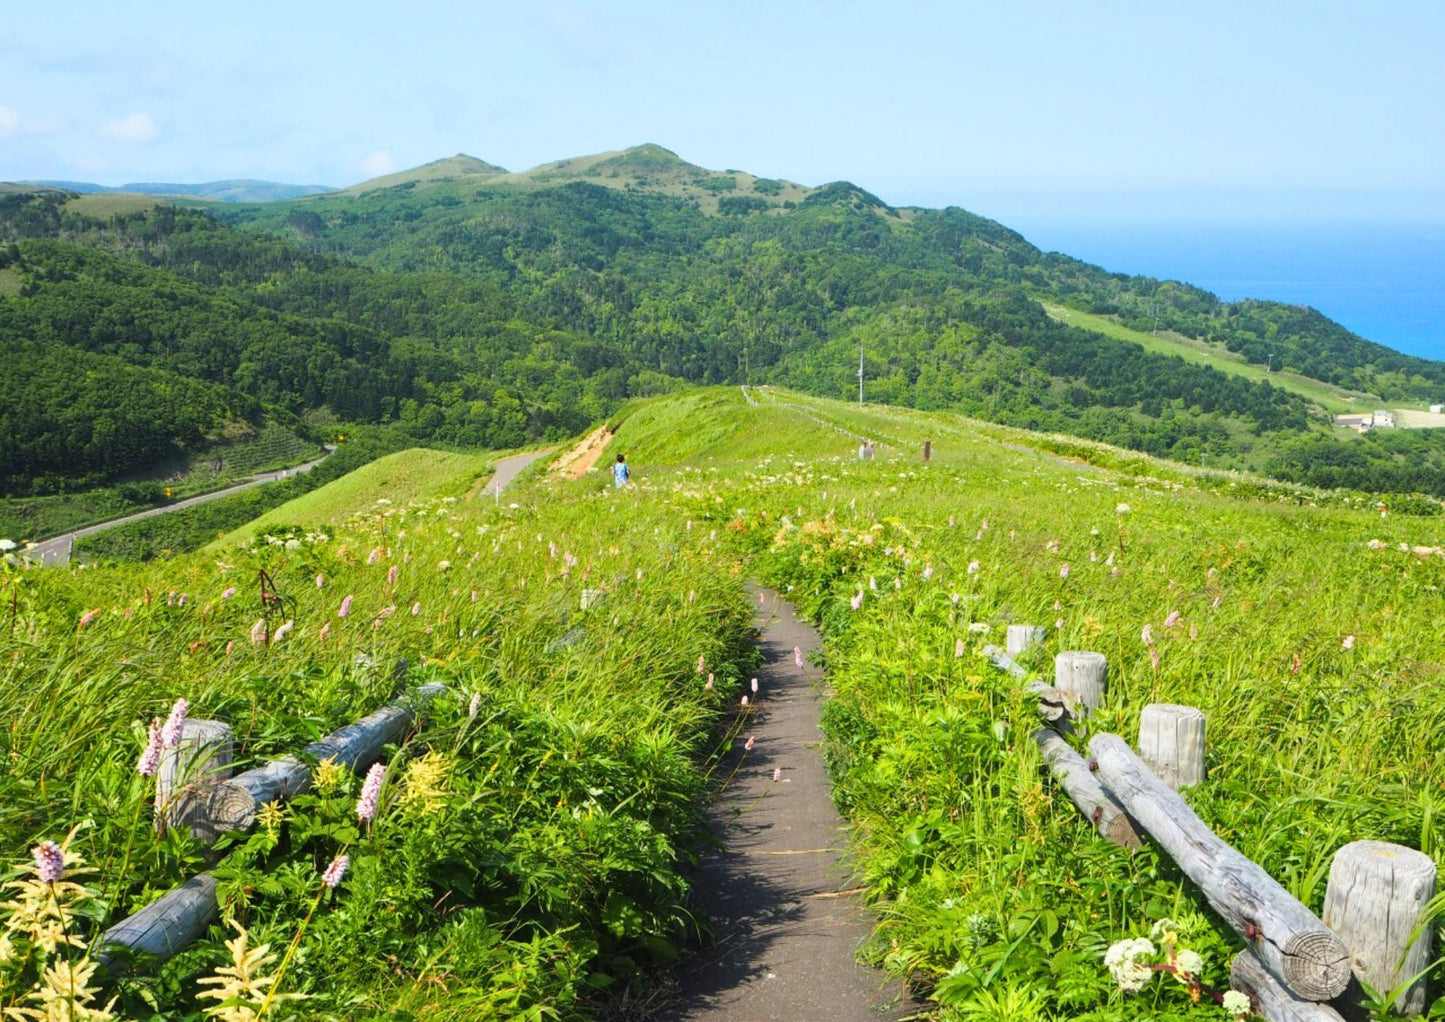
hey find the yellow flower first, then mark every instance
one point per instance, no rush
(271, 816)
(328, 776)
(64, 995)
(426, 782)
(243, 981)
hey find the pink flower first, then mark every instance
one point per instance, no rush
(1147, 635)
(150, 759)
(748, 745)
(1154, 656)
(957, 648)
(857, 601)
(415, 609)
(374, 556)
(370, 792)
(755, 686)
(1058, 624)
(281, 631)
(87, 617)
(1172, 619)
(927, 572)
(171, 732)
(49, 861)
(745, 700)
(335, 871)
(701, 664)
(325, 631)
(708, 686)
(230, 647)
(258, 632)
(973, 567)
(1063, 571)
(345, 607)
(320, 581)
(474, 596)
(777, 774)
(230, 592)
(391, 575)
(797, 656)
(1349, 642)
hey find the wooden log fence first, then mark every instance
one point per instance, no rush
(180, 917)
(1375, 928)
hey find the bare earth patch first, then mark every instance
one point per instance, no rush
(575, 463)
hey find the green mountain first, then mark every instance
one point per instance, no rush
(238, 190)
(460, 303)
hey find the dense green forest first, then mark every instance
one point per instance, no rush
(489, 311)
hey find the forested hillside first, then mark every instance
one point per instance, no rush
(491, 308)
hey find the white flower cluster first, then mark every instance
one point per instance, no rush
(1126, 962)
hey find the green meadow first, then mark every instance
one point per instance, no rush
(529, 855)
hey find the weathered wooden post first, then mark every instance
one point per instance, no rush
(928, 450)
(1375, 899)
(165, 927)
(1171, 742)
(187, 773)
(1021, 638)
(1271, 1000)
(1295, 946)
(1084, 675)
(1073, 775)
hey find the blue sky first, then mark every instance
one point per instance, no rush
(1312, 111)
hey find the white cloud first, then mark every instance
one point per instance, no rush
(132, 130)
(9, 122)
(378, 163)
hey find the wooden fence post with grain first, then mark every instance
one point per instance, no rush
(1073, 775)
(1376, 901)
(1083, 674)
(1171, 742)
(1270, 999)
(1294, 945)
(1019, 639)
(186, 775)
(165, 927)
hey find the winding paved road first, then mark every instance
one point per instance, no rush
(56, 552)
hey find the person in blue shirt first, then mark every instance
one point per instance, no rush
(620, 473)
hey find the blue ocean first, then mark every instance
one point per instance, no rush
(1384, 282)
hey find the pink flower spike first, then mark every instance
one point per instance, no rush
(88, 617)
(745, 700)
(370, 792)
(957, 648)
(1172, 619)
(230, 592)
(282, 630)
(1348, 643)
(258, 632)
(171, 732)
(345, 607)
(708, 686)
(797, 656)
(748, 745)
(1154, 656)
(325, 631)
(857, 601)
(701, 664)
(1063, 571)
(335, 871)
(320, 581)
(973, 567)
(49, 862)
(150, 759)
(1147, 635)
(391, 575)
(755, 686)
(777, 774)
(415, 609)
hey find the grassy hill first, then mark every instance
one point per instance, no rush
(1300, 622)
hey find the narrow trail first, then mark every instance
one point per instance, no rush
(504, 470)
(777, 887)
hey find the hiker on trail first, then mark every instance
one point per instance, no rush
(620, 472)
(865, 450)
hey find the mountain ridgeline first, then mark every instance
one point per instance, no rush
(462, 304)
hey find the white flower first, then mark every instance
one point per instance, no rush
(1123, 509)
(1237, 1004)
(979, 627)
(1123, 960)
(1187, 961)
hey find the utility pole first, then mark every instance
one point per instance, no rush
(1269, 366)
(860, 375)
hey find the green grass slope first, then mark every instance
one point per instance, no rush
(404, 477)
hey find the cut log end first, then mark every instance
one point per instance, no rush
(1271, 1000)
(1316, 964)
(231, 807)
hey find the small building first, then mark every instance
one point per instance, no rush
(1359, 423)
(1383, 420)
(1437, 409)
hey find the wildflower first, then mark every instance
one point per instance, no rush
(391, 575)
(49, 862)
(1237, 1004)
(320, 581)
(1172, 619)
(345, 607)
(370, 792)
(1188, 966)
(979, 627)
(258, 632)
(415, 609)
(229, 593)
(797, 657)
(270, 816)
(87, 618)
(897, 583)
(748, 745)
(243, 983)
(283, 629)
(171, 732)
(1123, 509)
(150, 759)
(1058, 624)
(1217, 601)
(374, 556)
(325, 631)
(872, 583)
(328, 775)
(1123, 960)
(927, 572)
(957, 648)
(1154, 656)
(65, 994)
(777, 774)
(474, 706)
(973, 567)
(1063, 571)
(426, 782)
(474, 596)
(1109, 561)
(745, 700)
(701, 664)
(1147, 635)
(755, 686)
(230, 648)
(857, 601)
(335, 871)
(1348, 643)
